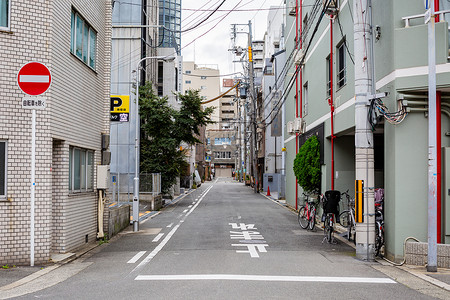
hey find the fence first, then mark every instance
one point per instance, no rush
(122, 185)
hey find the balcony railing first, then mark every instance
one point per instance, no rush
(441, 14)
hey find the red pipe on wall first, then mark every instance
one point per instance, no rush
(296, 97)
(438, 154)
(439, 167)
(331, 103)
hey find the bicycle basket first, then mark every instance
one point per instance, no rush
(331, 203)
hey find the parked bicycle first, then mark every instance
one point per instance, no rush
(307, 213)
(330, 203)
(379, 222)
(347, 218)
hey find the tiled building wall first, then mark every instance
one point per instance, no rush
(77, 113)
(27, 40)
(80, 108)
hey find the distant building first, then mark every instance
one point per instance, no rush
(170, 18)
(73, 39)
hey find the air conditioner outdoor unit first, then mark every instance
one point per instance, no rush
(332, 6)
(299, 125)
(299, 57)
(290, 127)
(292, 8)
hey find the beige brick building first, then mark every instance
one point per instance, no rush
(73, 39)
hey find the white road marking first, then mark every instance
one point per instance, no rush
(189, 206)
(266, 278)
(193, 202)
(158, 237)
(169, 236)
(185, 211)
(34, 78)
(136, 257)
(170, 225)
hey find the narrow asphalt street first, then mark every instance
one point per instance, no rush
(221, 241)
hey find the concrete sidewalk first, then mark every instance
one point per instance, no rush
(440, 279)
(14, 276)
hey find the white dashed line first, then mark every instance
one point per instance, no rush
(136, 257)
(170, 225)
(158, 237)
(185, 211)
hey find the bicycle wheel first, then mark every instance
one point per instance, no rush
(378, 240)
(330, 231)
(345, 221)
(302, 217)
(312, 218)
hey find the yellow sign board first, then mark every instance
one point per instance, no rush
(120, 104)
(120, 108)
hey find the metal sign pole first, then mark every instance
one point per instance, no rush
(33, 184)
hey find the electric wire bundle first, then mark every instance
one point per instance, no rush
(377, 106)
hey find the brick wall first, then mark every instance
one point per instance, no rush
(76, 115)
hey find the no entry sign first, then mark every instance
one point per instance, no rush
(34, 78)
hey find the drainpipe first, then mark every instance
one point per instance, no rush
(296, 98)
(439, 152)
(331, 103)
(439, 167)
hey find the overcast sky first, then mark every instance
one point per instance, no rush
(212, 47)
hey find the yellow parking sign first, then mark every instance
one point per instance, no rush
(120, 104)
(120, 108)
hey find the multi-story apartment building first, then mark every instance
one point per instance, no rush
(324, 92)
(73, 39)
(205, 79)
(271, 111)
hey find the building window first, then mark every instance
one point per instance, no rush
(222, 154)
(3, 164)
(203, 77)
(5, 8)
(83, 42)
(222, 141)
(305, 99)
(208, 141)
(81, 170)
(188, 82)
(328, 76)
(341, 69)
(203, 87)
(188, 72)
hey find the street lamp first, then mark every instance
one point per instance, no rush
(137, 140)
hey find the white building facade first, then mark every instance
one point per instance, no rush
(72, 38)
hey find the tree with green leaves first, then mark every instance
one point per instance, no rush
(164, 128)
(307, 165)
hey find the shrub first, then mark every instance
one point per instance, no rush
(307, 165)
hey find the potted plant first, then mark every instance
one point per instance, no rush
(247, 179)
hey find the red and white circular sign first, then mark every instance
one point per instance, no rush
(34, 78)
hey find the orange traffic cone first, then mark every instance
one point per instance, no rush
(268, 191)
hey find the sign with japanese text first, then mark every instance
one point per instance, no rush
(120, 108)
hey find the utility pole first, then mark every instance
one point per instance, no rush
(432, 142)
(253, 97)
(364, 150)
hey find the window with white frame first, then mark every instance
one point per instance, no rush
(83, 40)
(81, 170)
(3, 164)
(5, 8)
